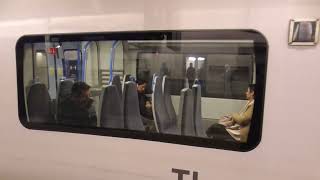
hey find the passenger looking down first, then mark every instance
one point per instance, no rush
(78, 109)
(235, 127)
(191, 74)
(145, 106)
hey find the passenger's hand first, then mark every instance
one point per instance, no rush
(229, 123)
(225, 118)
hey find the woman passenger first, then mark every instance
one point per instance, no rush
(235, 127)
(78, 109)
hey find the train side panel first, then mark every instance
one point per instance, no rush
(289, 148)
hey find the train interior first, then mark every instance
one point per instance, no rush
(191, 84)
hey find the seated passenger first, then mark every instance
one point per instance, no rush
(78, 109)
(145, 106)
(235, 127)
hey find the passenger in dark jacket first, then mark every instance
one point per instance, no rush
(78, 109)
(145, 107)
(144, 102)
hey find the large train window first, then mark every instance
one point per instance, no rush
(202, 88)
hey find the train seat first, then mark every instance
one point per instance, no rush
(160, 114)
(186, 112)
(111, 108)
(117, 82)
(132, 117)
(64, 92)
(39, 104)
(65, 89)
(168, 101)
(198, 123)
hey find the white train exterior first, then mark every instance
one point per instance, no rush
(290, 145)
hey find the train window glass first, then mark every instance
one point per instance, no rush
(41, 68)
(70, 64)
(71, 55)
(92, 65)
(110, 50)
(202, 88)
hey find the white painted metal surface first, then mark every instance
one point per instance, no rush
(290, 144)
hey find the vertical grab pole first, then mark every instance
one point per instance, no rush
(79, 63)
(84, 62)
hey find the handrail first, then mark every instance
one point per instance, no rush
(84, 62)
(79, 62)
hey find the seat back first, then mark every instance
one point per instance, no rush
(126, 78)
(132, 117)
(187, 112)
(38, 103)
(160, 114)
(64, 92)
(158, 110)
(153, 81)
(111, 108)
(168, 102)
(65, 89)
(117, 82)
(196, 91)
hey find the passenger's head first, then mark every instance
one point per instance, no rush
(191, 65)
(80, 90)
(250, 93)
(141, 86)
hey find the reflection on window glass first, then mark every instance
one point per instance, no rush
(71, 55)
(41, 68)
(92, 65)
(192, 88)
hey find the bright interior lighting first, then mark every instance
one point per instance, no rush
(191, 58)
(201, 58)
(38, 54)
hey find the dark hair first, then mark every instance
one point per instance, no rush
(78, 88)
(78, 96)
(251, 87)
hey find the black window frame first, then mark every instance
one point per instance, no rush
(261, 55)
